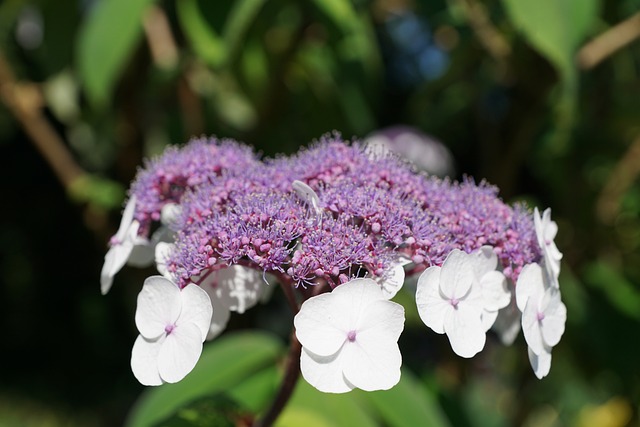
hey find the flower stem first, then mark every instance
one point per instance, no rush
(291, 375)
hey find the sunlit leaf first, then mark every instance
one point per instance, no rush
(225, 362)
(206, 43)
(104, 43)
(554, 27)
(406, 403)
(324, 409)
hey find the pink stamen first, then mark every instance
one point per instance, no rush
(169, 328)
(351, 336)
(540, 316)
(454, 302)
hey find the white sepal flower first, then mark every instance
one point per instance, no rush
(462, 298)
(349, 338)
(508, 323)
(162, 253)
(122, 247)
(173, 324)
(234, 288)
(170, 215)
(543, 316)
(393, 279)
(546, 231)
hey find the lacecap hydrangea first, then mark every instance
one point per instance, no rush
(341, 225)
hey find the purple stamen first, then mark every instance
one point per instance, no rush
(351, 336)
(169, 328)
(540, 316)
(454, 302)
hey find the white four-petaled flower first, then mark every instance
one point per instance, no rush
(462, 298)
(543, 316)
(122, 248)
(349, 338)
(173, 324)
(546, 231)
(234, 288)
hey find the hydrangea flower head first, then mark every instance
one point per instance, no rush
(349, 338)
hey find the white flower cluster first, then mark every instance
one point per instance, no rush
(349, 336)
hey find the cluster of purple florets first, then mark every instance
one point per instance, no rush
(373, 208)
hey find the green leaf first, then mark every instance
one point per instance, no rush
(239, 21)
(105, 41)
(224, 363)
(406, 403)
(312, 408)
(554, 27)
(620, 291)
(206, 43)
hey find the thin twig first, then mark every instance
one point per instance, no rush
(291, 375)
(609, 42)
(487, 34)
(620, 179)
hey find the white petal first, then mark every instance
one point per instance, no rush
(144, 360)
(483, 261)
(159, 305)
(495, 292)
(243, 285)
(170, 214)
(220, 318)
(162, 253)
(114, 260)
(541, 363)
(488, 319)
(381, 321)
(531, 326)
(324, 372)
(196, 308)
(530, 283)
(555, 316)
(371, 364)
(464, 329)
(127, 219)
(456, 276)
(180, 352)
(508, 324)
(393, 280)
(356, 295)
(432, 307)
(142, 255)
(322, 323)
(307, 194)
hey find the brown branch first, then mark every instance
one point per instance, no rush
(620, 179)
(609, 42)
(487, 34)
(24, 101)
(161, 42)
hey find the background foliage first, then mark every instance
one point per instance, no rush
(541, 98)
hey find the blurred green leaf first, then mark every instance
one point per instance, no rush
(308, 405)
(94, 189)
(620, 292)
(257, 391)
(104, 43)
(206, 43)
(406, 403)
(554, 27)
(240, 19)
(224, 363)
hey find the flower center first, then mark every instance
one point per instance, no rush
(454, 302)
(169, 328)
(351, 336)
(540, 316)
